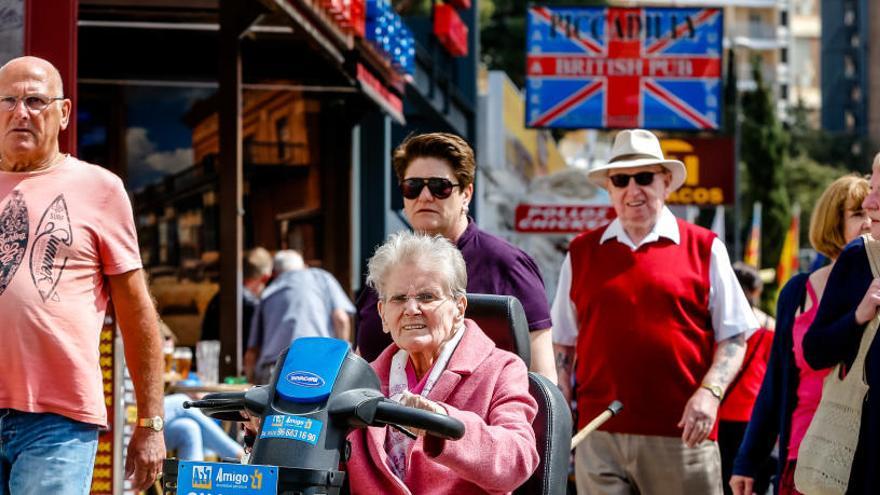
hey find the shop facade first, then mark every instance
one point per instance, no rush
(247, 123)
(242, 123)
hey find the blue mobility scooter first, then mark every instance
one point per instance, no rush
(318, 392)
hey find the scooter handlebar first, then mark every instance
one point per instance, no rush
(227, 406)
(214, 403)
(363, 407)
(438, 425)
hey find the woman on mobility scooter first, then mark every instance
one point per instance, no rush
(444, 363)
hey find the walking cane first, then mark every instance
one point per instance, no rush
(612, 410)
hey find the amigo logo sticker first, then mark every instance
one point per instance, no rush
(305, 379)
(202, 477)
(299, 428)
(220, 478)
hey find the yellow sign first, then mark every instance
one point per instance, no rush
(709, 165)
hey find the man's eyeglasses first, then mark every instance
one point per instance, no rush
(423, 299)
(34, 103)
(641, 178)
(440, 188)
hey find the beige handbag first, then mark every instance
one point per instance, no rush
(826, 453)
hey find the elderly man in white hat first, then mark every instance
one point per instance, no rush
(649, 312)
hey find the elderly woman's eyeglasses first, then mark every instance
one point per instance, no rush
(34, 103)
(440, 187)
(422, 299)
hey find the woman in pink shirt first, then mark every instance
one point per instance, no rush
(791, 389)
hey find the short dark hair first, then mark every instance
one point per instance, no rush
(748, 276)
(443, 146)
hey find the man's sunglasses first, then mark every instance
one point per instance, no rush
(440, 188)
(641, 178)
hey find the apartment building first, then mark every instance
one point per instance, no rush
(753, 28)
(805, 61)
(850, 70)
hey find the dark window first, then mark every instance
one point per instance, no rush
(248, 149)
(282, 135)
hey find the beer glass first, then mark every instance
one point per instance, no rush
(168, 353)
(183, 361)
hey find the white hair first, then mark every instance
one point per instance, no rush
(287, 260)
(434, 251)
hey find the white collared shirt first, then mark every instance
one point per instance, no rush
(731, 312)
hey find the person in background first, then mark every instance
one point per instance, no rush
(791, 388)
(436, 175)
(736, 409)
(190, 433)
(443, 363)
(69, 247)
(299, 302)
(852, 296)
(652, 309)
(256, 270)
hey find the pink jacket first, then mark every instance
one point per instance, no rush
(487, 389)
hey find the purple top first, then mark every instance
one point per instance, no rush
(494, 266)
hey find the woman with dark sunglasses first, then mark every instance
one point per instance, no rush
(436, 176)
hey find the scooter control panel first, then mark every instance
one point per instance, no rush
(311, 368)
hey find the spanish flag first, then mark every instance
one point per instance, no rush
(752, 255)
(789, 261)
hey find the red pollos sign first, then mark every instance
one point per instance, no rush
(561, 219)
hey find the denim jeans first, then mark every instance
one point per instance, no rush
(190, 432)
(43, 453)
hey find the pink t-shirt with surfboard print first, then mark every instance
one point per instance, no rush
(62, 230)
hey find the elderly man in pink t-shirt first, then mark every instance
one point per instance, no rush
(67, 246)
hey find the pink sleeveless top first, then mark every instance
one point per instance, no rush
(809, 389)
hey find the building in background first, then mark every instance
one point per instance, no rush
(318, 94)
(754, 28)
(528, 192)
(850, 68)
(760, 29)
(11, 29)
(805, 57)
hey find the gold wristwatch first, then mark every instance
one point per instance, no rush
(156, 423)
(717, 392)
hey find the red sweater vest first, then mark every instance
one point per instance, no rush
(645, 333)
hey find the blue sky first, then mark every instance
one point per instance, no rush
(158, 141)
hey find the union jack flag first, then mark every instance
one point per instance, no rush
(655, 68)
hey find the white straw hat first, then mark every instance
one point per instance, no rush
(637, 148)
